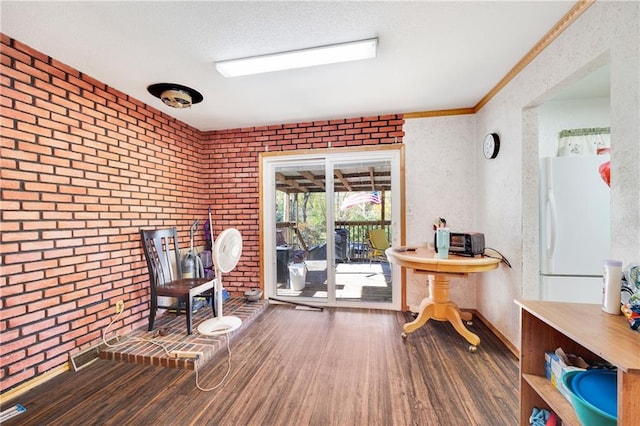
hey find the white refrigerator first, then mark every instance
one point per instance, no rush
(574, 228)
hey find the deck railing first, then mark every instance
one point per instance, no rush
(358, 236)
(356, 246)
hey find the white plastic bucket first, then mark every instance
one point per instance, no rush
(297, 276)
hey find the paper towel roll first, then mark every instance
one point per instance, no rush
(611, 286)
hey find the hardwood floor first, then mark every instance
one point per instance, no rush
(297, 367)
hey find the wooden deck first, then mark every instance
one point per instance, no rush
(355, 281)
(296, 367)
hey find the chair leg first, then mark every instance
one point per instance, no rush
(213, 304)
(179, 303)
(152, 312)
(189, 313)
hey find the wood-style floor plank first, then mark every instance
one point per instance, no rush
(296, 367)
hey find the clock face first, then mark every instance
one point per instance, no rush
(491, 145)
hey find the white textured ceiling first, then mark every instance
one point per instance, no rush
(431, 55)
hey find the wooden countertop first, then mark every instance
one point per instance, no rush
(608, 336)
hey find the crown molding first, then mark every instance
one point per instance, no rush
(440, 113)
(564, 23)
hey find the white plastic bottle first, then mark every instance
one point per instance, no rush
(611, 286)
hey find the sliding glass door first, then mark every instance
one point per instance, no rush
(362, 203)
(301, 230)
(317, 213)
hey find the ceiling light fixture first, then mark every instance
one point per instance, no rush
(175, 95)
(331, 54)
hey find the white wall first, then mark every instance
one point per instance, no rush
(440, 170)
(506, 204)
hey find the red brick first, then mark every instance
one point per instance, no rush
(57, 272)
(83, 321)
(71, 189)
(30, 51)
(14, 134)
(35, 167)
(43, 304)
(39, 225)
(38, 206)
(25, 319)
(81, 83)
(7, 196)
(21, 299)
(34, 129)
(43, 367)
(51, 124)
(41, 347)
(16, 115)
(60, 199)
(15, 53)
(17, 236)
(40, 187)
(14, 358)
(31, 90)
(41, 265)
(67, 314)
(52, 332)
(9, 382)
(20, 257)
(7, 270)
(73, 295)
(53, 254)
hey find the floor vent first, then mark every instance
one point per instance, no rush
(86, 357)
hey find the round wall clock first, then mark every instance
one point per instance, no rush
(491, 146)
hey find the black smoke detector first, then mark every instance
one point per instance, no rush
(175, 95)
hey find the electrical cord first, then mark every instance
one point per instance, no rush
(166, 350)
(133, 339)
(195, 367)
(105, 331)
(502, 258)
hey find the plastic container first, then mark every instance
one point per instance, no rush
(443, 238)
(188, 265)
(207, 260)
(611, 286)
(297, 276)
(253, 295)
(593, 385)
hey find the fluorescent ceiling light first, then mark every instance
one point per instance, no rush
(344, 52)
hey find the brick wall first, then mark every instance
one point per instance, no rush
(233, 159)
(83, 168)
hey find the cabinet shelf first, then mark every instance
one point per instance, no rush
(586, 331)
(554, 399)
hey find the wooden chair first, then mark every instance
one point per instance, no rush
(158, 247)
(378, 243)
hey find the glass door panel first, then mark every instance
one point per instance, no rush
(362, 202)
(301, 232)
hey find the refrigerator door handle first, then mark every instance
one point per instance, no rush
(551, 240)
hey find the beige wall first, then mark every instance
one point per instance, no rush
(440, 169)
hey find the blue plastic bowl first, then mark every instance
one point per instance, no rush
(580, 385)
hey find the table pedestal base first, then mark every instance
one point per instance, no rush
(438, 307)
